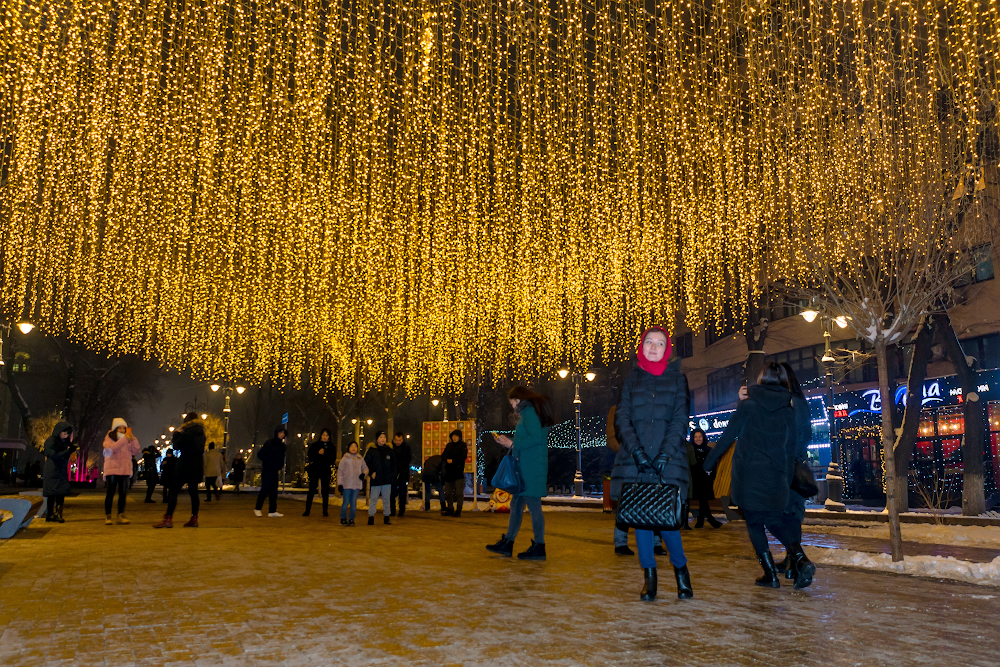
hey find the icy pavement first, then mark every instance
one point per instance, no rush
(242, 590)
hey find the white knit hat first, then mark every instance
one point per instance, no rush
(118, 421)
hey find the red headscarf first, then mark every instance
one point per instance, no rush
(654, 367)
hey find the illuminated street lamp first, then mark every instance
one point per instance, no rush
(228, 389)
(577, 378)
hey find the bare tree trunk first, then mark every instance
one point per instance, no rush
(892, 504)
(907, 438)
(974, 442)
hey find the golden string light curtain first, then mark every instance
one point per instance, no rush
(429, 191)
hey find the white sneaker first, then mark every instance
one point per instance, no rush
(274, 514)
(258, 513)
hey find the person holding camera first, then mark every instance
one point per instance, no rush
(189, 442)
(321, 459)
(55, 479)
(350, 479)
(119, 448)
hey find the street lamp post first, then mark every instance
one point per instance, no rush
(577, 403)
(827, 321)
(228, 390)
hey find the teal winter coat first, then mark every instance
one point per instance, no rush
(531, 447)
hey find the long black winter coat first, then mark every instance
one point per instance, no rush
(189, 443)
(55, 479)
(272, 454)
(149, 465)
(402, 455)
(379, 460)
(169, 469)
(652, 413)
(322, 464)
(458, 452)
(701, 481)
(766, 427)
(239, 468)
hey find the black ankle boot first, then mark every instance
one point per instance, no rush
(785, 565)
(700, 523)
(648, 593)
(770, 578)
(684, 591)
(802, 567)
(713, 522)
(371, 521)
(623, 550)
(386, 521)
(504, 547)
(535, 552)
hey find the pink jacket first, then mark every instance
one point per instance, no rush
(120, 461)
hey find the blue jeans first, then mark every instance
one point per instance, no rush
(534, 505)
(382, 490)
(621, 536)
(671, 541)
(350, 498)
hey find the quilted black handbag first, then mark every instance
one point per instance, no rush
(650, 506)
(803, 482)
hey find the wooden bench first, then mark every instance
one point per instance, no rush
(23, 508)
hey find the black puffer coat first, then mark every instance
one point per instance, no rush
(379, 460)
(322, 464)
(402, 455)
(189, 444)
(652, 413)
(457, 452)
(766, 427)
(272, 454)
(55, 479)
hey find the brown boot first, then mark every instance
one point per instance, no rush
(108, 522)
(168, 522)
(192, 522)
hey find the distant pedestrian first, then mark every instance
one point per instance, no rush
(454, 455)
(430, 476)
(168, 472)
(653, 418)
(189, 443)
(120, 446)
(381, 471)
(763, 465)
(321, 459)
(55, 479)
(350, 478)
(272, 460)
(215, 472)
(530, 447)
(150, 456)
(701, 481)
(239, 470)
(401, 454)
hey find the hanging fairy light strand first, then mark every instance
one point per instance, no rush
(431, 191)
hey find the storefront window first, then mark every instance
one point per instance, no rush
(950, 421)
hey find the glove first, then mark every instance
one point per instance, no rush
(660, 463)
(641, 460)
(340, 488)
(361, 477)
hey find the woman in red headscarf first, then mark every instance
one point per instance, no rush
(652, 418)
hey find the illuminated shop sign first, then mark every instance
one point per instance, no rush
(935, 392)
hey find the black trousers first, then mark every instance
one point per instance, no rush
(454, 492)
(269, 490)
(180, 479)
(319, 481)
(151, 482)
(210, 483)
(115, 483)
(783, 525)
(401, 492)
(430, 486)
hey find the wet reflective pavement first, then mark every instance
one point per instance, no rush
(242, 590)
(879, 545)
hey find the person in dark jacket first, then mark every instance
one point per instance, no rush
(168, 472)
(381, 471)
(150, 455)
(763, 464)
(55, 479)
(701, 481)
(321, 459)
(653, 419)
(803, 430)
(401, 482)
(239, 470)
(430, 476)
(454, 456)
(272, 460)
(189, 442)
(530, 447)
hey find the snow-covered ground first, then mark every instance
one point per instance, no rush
(966, 536)
(986, 574)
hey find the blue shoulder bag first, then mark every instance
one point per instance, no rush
(508, 476)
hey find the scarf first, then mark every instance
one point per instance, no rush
(653, 367)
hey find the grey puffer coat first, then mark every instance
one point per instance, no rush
(652, 413)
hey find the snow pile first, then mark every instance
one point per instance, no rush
(979, 536)
(987, 574)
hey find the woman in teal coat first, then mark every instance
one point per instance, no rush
(530, 447)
